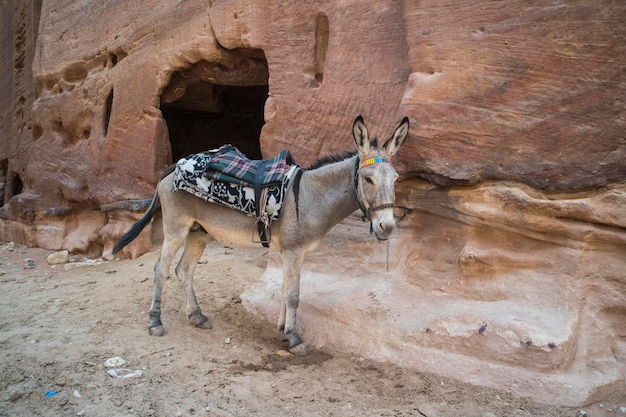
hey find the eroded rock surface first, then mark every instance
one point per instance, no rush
(508, 266)
(496, 284)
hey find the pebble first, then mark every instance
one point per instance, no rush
(622, 409)
(60, 257)
(15, 396)
(427, 410)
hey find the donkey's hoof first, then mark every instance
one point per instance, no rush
(199, 320)
(204, 325)
(157, 331)
(299, 350)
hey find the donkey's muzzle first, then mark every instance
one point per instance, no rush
(382, 221)
(384, 228)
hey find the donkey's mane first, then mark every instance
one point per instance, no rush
(327, 160)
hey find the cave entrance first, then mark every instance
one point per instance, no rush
(211, 104)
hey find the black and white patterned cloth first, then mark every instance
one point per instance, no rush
(191, 176)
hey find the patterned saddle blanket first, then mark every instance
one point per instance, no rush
(226, 176)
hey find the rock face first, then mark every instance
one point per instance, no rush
(497, 284)
(507, 267)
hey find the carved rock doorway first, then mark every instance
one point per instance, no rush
(210, 104)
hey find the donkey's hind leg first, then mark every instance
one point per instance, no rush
(171, 244)
(194, 246)
(292, 263)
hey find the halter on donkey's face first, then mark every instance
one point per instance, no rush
(370, 156)
(367, 211)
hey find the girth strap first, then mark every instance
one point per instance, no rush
(262, 221)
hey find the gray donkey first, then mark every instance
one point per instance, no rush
(326, 193)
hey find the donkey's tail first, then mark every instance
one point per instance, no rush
(134, 231)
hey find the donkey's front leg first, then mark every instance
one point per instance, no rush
(194, 246)
(292, 263)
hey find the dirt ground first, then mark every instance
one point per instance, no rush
(59, 324)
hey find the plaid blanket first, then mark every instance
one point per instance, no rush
(226, 176)
(228, 164)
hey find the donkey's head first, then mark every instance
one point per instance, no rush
(375, 177)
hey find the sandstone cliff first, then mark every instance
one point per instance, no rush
(509, 262)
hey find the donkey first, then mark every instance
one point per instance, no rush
(324, 195)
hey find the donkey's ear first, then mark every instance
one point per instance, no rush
(394, 143)
(361, 137)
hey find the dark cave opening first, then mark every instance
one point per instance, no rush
(209, 105)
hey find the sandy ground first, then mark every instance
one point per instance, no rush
(59, 324)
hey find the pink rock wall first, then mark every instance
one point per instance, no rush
(516, 91)
(530, 92)
(517, 113)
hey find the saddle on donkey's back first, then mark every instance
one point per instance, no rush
(226, 176)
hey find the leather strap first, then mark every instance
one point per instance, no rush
(261, 217)
(367, 212)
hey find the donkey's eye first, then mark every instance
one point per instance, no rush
(368, 180)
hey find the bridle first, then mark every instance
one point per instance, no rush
(367, 212)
